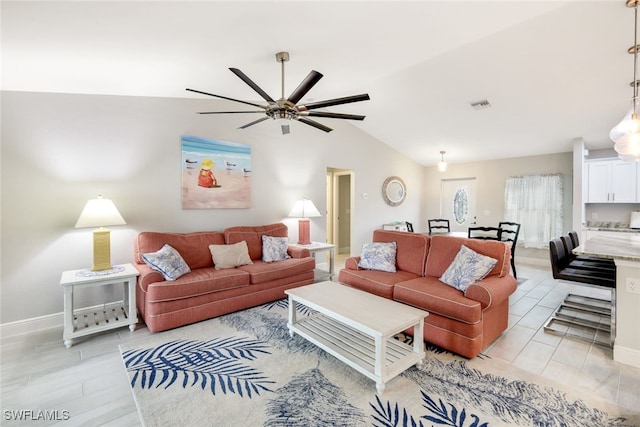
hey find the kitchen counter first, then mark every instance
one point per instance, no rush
(626, 247)
(623, 229)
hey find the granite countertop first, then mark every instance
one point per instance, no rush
(614, 247)
(611, 226)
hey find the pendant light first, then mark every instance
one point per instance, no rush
(442, 165)
(626, 134)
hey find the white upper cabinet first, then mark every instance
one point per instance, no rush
(612, 181)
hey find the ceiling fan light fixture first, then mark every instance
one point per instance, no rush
(442, 165)
(626, 134)
(288, 108)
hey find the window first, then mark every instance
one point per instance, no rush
(535, 201)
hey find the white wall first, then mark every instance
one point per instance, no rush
(491, 177)
(59, 150)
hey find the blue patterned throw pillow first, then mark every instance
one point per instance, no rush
(467, 268)
(168, 262)
(378, 256)
(274, 248)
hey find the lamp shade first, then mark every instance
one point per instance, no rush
(99, 212)
(304, 208)
(626, 136)
(442, 165)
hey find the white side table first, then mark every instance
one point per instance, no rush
(90, 320)
(316, 247)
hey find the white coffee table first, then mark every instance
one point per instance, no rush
(358, 328)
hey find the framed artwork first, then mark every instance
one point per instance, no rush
(215, 174)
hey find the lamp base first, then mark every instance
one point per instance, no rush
(101, 250)
(303, 232)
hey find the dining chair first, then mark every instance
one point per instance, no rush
(485, 233)
(438, 226)
(510, 232)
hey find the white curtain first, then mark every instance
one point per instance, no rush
(535, 202)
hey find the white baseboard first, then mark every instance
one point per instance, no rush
(41, 323)
(626, 355)
(34, 324)
(533, 261)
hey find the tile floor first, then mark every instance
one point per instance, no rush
(88, 380)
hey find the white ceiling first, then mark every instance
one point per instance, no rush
(552, 70)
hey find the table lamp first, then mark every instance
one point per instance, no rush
(304, 209)
(100, 213)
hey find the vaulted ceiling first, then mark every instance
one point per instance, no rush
(552, 71)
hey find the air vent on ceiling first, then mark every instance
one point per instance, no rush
(480, 105)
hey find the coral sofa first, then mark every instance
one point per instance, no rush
(207, 292)
(462, 322)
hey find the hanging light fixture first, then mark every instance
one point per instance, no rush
(442, 165)
(626, 134)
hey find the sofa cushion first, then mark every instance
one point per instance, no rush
(230, 256)
(378, 256)
(411, 249)
(167, 261)
(274, 248)
(261, 272)
(193, 247)
(430, 294)
(253, 236)
(445, 248)
(373, 281)
(199, 282)
(467, 267)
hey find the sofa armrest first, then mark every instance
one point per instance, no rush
(352, 263)
(491, 290)
(297, 252)
(147, 276)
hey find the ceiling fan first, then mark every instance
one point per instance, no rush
(288, 108)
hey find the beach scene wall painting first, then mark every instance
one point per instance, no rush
(215, 174)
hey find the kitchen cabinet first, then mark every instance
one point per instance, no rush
(612, 181)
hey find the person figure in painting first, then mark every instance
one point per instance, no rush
(205, 177)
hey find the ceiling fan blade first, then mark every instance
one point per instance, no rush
(285, 129)
(312, 78)
(336, 101)
(253, 86)
(227, 98)
(333, 115)
(254, 122)
(315, 124)
(228, 112)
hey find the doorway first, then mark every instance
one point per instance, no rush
(339, 209)
(458, 203)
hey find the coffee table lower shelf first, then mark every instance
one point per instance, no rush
(357, 349)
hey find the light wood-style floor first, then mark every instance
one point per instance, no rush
(87, 384)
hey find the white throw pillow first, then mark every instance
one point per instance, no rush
(274, 248)
(230, 256)
(168, 262)
(378, 256)
(467, 268)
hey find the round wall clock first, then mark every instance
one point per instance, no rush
(393, 190)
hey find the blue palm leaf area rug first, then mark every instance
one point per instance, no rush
(243, 369)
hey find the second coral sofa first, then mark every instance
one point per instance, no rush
(462, 322)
